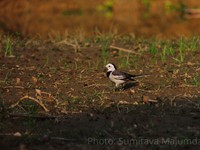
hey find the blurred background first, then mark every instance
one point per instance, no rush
(141, 18)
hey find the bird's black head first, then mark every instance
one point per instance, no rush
(114, 66)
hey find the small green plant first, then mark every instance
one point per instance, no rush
(196, 80)
(163, 54)
(124, 61)
(194, 43)
(97, 63)
(153, 48)
(170, 51)
(134, 61)
(8, 74)
(182, 51)
(8, 47)
(127, 62)
(169, 47)
(46, 61)
(89, 65)
(167, 51)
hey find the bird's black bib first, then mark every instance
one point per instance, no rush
(108, 73)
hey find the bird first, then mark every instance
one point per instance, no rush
(119, 77)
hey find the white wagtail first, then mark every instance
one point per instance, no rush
(119, 77)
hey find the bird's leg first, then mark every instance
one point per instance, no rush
(119, 87)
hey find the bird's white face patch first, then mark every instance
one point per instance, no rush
(110, 67)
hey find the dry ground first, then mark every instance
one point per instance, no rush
(55, 95)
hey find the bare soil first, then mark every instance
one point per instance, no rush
(68, 103)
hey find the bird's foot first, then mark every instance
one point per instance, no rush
(119, 88)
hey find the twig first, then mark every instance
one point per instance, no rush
(153, 101)
(96, 85)
(74, 44)
(49, 94)
(148, 91)
(17, 87)
(124, 50)
(193, 11)
(31, 98)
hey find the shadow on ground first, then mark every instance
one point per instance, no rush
(130, 85)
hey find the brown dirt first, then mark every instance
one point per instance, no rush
(83, 104)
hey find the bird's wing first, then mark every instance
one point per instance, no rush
(119, 75)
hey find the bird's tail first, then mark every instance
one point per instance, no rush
(133, 77)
